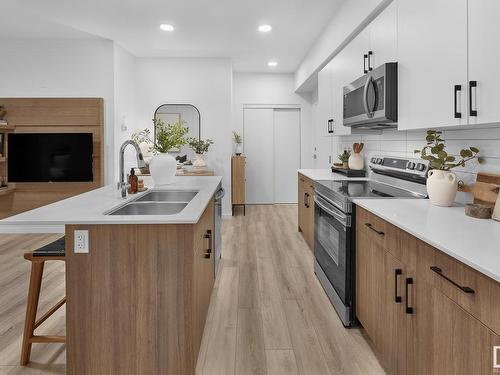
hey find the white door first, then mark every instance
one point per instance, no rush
(271, 139)
(484, 55)
(432, 60)
(258, 144)
(286, 154)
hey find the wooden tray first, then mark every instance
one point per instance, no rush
(485, 190)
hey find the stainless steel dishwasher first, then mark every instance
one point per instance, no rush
(219, 194)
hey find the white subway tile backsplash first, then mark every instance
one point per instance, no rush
(403, 144)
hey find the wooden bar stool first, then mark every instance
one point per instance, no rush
(52, 251)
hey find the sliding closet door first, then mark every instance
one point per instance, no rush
(258, 147)
(286, 154)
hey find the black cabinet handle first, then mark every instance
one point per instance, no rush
(330, 126)
(365, 57)
(397, 272)
(306, 200)
(458, 88)
(464, 289)
(409, 309)
(472, 112)
(380, 233)
(208, 251)
(370, 54)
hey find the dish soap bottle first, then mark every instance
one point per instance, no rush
(133, 182)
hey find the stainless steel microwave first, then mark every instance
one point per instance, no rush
(371, 101)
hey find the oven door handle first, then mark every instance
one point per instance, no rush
(341, 218)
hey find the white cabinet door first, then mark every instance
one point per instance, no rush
(484, 56)
(383, 37)
(432, 59)
(347, 66)
(325, 103)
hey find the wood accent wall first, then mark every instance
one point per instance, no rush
(54, 115)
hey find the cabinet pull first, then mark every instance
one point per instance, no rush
(380, 233)
(330, 126)
(397, 272)
(370, 54)
(208, 236)
(458, 88)
(306, 200)
(409, 309)
(464, 289)
(472, 85)
(365, 57)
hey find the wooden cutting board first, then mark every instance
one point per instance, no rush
(485, 190)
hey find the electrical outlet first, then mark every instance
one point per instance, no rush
(81, 241)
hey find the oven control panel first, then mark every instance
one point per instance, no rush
(418, 167)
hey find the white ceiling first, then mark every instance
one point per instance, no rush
(204, 28)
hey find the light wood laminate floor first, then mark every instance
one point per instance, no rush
(268, 313)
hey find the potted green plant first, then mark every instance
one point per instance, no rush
(200, 147)
(168, 136)
(238, 142)
(344, 158)
(442, 183)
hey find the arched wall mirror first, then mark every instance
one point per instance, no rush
(188, 113)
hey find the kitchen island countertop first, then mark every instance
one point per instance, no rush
(90, 207)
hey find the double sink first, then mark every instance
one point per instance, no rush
(156, 202)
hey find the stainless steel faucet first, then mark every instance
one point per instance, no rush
(122, 185)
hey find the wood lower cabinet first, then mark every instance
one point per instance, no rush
(416, 328)
(238, 179)
(306, 209)
(138, 300)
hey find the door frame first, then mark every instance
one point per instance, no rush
(274, 107)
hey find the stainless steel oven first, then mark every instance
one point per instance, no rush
(334, 255)
(371, 101)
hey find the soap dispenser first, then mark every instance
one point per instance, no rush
(133, 185)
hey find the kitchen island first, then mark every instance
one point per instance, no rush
(137, 299)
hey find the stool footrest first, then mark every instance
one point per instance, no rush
(47, 339)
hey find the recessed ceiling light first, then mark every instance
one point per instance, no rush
(265, 28)
(167, 27)
(272, 63)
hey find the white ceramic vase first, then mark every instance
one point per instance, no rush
(238, 149)
(163, 168)
(442, 187)
(356, 161)
(199, 162)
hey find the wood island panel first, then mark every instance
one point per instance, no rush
(137, 302)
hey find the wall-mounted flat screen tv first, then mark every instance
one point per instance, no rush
(50, 157)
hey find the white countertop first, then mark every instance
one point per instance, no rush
(89, 208)
(474, 242)
(328, 175)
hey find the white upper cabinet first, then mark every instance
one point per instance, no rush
(484, 56)
(432, 63)
(325, 103)
(383, 37)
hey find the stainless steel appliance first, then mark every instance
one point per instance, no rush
(219, 194)
(371, 101)
(335, 240)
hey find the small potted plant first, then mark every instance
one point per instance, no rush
(344, 158)
(442, 184)
(200, 147)
(238, 141)
(168, 136)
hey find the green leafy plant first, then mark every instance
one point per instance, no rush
(435, 153)
(200, 146)
(344, 157)
(237, 138)
(168, 136)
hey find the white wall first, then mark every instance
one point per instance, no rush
(272, 89)
(203, 82)
(61, 68)
(349, 20)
